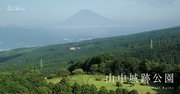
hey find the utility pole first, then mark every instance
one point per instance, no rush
(41, 64)
(151, 44)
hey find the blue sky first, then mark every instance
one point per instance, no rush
(44, 12)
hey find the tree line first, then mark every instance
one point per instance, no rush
(108, 63)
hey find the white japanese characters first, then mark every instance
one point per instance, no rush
(142, 78)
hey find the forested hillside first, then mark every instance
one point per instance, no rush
(165, 48)
(77, 65)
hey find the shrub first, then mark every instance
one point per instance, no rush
(98, 78)
(78, 71)
(112, 92)
(133, 92)
(63, 73)
(125, 91)
(103, 90)
(51, 76)
(118, 84)
(119, 91)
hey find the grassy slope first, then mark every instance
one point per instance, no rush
(90, 79)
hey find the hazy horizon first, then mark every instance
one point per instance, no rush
(161, 13)
(62, 21)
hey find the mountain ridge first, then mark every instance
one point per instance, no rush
(86, 17)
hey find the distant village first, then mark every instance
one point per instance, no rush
(74, 48)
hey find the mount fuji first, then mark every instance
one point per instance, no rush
(87, 17)
(83, 25)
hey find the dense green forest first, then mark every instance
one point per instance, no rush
(166, 47)
(25, 70)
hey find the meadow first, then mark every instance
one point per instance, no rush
(91, 79)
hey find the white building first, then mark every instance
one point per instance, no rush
(72, 48)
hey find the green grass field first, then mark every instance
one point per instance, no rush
(91, 79)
